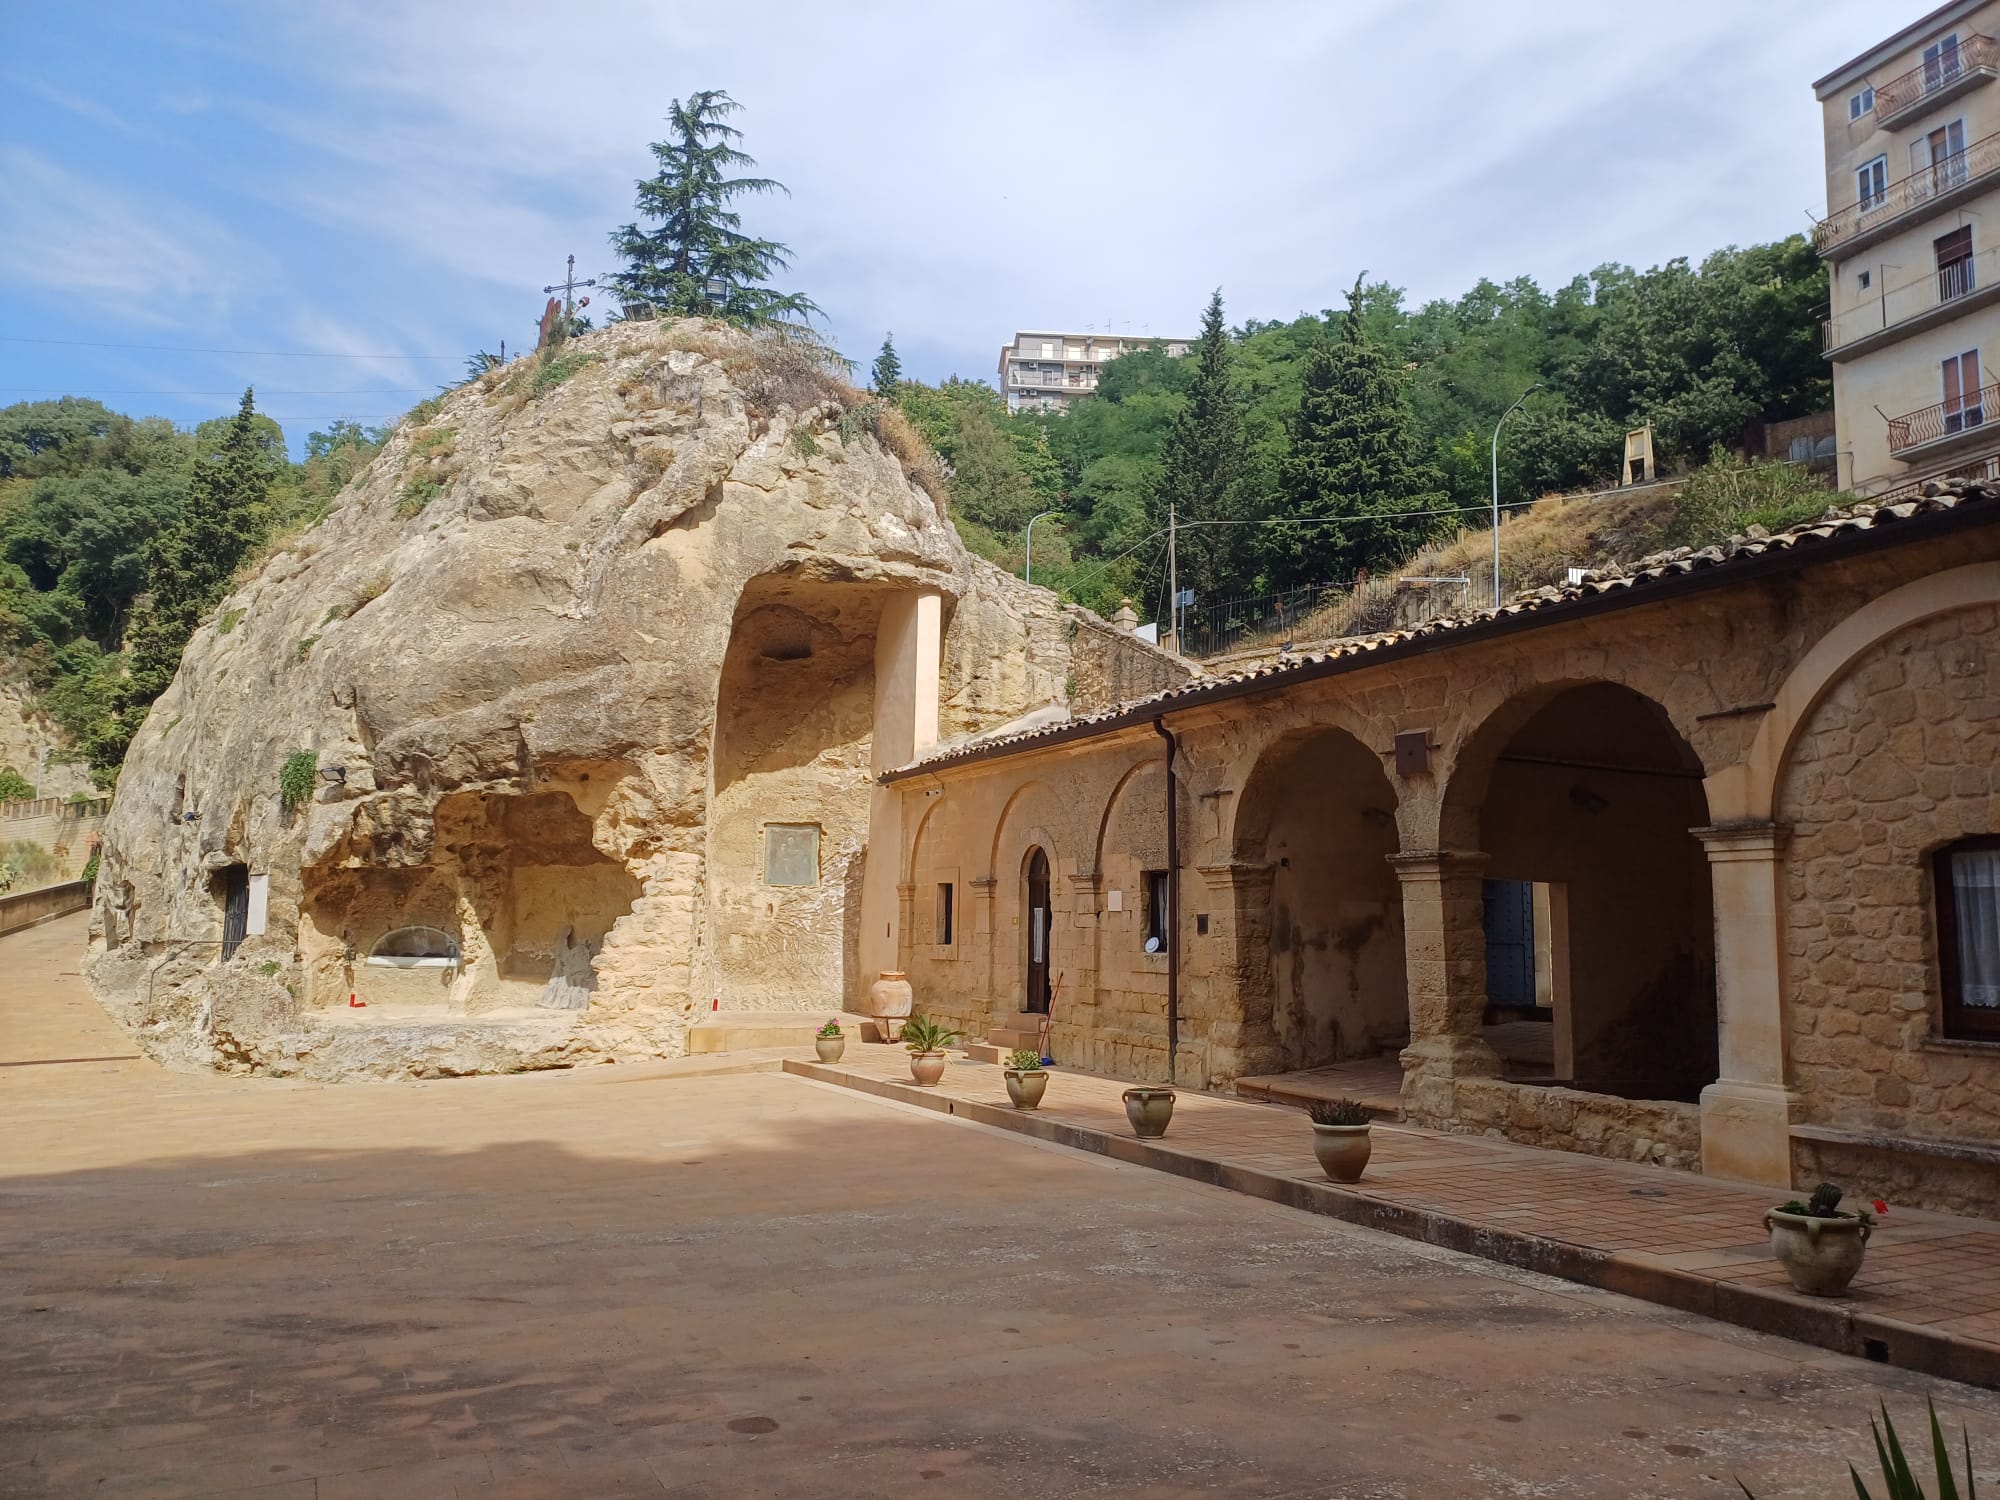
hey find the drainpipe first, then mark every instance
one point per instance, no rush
(1173, 903)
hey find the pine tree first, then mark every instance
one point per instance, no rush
(191, 564)
(1350, 456)
(888, 372)
(700, 239)
(1205, 464)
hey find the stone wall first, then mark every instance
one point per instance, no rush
(68, 830)
(1900, 757)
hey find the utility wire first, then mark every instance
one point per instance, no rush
(188, 349)
(380, 390)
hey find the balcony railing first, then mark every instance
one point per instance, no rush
(1942, 176)
(1946, 419)
(1913, 300)
(1903, 92)
(1052, 380)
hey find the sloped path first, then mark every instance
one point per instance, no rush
(1927, 1298)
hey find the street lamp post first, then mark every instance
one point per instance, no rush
(1028, 566)
(1496, 484)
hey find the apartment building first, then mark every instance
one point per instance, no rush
(1047, 371)
(1911, 241)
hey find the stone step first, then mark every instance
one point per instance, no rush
(746, 1030)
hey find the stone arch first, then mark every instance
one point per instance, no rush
(1321, 968)
(1598, 947)
(1748, 791)
(1030, 820)
(789, 776)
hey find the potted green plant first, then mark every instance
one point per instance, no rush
(1149, 1109)
(1819, 1245)
(1340, 1138)
(1027, 1079)
(830, 1042)
(926, 1040)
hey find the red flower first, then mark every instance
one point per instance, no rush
(1880, 1206)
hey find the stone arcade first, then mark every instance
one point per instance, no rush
(1736, 795)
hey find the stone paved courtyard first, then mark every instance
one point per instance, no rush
(631, 1281)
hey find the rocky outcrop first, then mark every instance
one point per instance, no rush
(32, 744)
(544, 683)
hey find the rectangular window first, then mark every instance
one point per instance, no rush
(1968, 911)
(944, 914)
(1871, 184)
(791, 854)
(1941, 62)
(1867, 279)
(1048, 350)
(1963, 405)
(1859, 104)
(1954, 263)
(1155, 882)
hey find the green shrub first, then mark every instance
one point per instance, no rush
(295, 779)
(922, 1034)
(1337, 1112)
(227, 621)
(90, 867)
(269, 967)
(803, 443)
(305, 646)
(1727, 496)
(418, 493)
(424, 410)
(550, 373)
(1898, 1482)
(1021, 1060)
(14, 787)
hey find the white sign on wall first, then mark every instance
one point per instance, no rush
(1114, 901)
(260, 905)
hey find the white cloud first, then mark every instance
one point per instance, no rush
(138, 256)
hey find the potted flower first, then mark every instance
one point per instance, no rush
(1818, 1244)
(1340, 1138)
(1026, 1078)
(926, 1040)
(1149, 1109)
(830, 1042)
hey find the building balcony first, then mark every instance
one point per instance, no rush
(1944, 183)
(1946, 427)
(1972, 62)
(1925, 302)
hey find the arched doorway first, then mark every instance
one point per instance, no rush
(1038, 922)
(1599, 941)
(1325, 976)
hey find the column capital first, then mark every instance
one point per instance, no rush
(1424, 864)
(906, 891)
(1748, 842)
(1236, 875)
(984, 885)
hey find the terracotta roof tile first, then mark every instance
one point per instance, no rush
(1839, 521)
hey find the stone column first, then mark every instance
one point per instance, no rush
(986, 941)
(1076, 1007)
(1236, 997)
(1444, 948)
(909, 643)
(1746, 1114)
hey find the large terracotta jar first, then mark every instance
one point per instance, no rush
(889, 1001)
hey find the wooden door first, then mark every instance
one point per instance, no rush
(1039, 917)
(1510, 942)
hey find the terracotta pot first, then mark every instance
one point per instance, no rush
(927, 1067)
(1025, 1087)
(890, 997)
(829, 1048)
(1820, 1255)
(1149, 1110)
(1342, 1151)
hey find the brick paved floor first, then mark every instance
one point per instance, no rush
(1929, 1270)
(630, 1281)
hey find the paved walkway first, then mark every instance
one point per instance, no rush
(1928, 1296)
(633, 1280)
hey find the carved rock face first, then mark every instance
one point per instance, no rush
(506, 648)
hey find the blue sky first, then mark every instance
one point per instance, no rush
(327, 191)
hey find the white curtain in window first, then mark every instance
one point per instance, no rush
(1975, 884)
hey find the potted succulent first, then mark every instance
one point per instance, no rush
(1026, 1078)
(1340, 1138)
(1818, 1244)
(830, 1042)
(927, 1040)
(1149, 1109)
